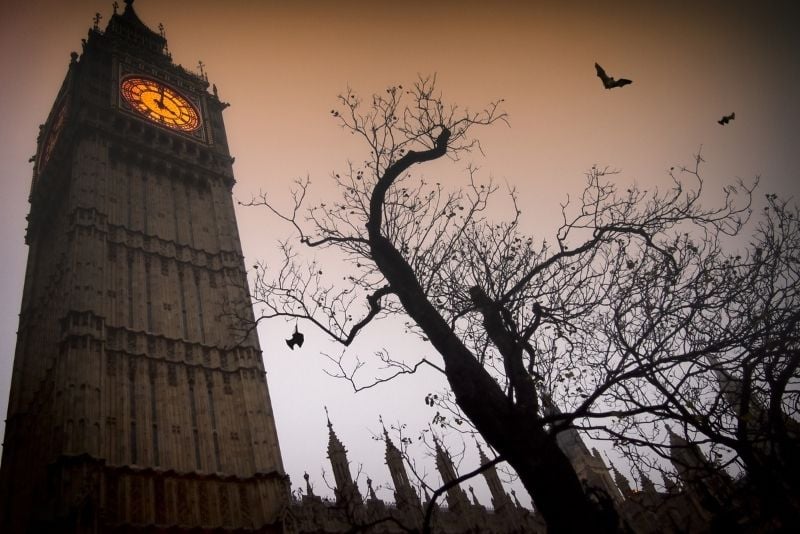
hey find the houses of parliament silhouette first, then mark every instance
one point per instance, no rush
(135, 406)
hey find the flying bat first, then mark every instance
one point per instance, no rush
(726, 119)
(608, 81)
(296, 339)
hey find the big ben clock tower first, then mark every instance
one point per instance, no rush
(135, 403)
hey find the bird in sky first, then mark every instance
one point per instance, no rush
(608, 81)
(296, 339)
(726, 119)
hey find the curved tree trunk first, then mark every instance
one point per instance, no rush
(515, 431)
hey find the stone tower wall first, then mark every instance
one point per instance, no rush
(138, 395)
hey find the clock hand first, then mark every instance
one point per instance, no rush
(161, 100)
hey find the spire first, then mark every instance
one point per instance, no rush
(456, 498)
(129, 27)
(675, 439)
(500, 499)
(394, 461)
(569, 440)
(516, 501)
(683, 456)
(647, 484)
(371, 490)
(622, 482)
(481, 456)
(696, 473)
(444, 463)
(309, 489)
(671, 484)
(427, 495)
(129, 8)
(336, 449)
(474, 498)
(346, 490)
(132, 19)
(729, 386)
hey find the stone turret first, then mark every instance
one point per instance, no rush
(589, 466)
(404, 495)
(456, 497)
(622, 482)
(475, 502)
(729, 387)
(309, 495)
(375, 506)
(760, 427)
(706, 484)
(516, 500)
(346, 491)
(648, 496)
(672, 486)
(500, 499)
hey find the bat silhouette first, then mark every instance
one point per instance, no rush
(726, 119)
(296, 339)
(608, 81)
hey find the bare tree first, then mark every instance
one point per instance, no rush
(719, 339)
(510, 317)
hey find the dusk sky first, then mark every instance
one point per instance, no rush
(280, 64)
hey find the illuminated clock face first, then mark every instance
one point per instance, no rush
(160, 103)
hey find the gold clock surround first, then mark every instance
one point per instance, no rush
(160, 103)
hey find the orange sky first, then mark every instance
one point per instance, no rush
(280, 64)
